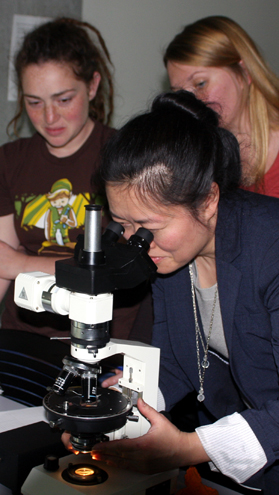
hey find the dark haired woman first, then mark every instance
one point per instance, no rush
(65, 85)
(216, 296)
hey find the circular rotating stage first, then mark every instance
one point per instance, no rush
(108, 413)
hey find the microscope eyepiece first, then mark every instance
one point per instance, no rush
(112, 233)
(116, 227)
(142, 238)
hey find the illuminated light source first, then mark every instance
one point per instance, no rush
(84, 471)
(84, 474)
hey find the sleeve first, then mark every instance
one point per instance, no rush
(243, 445)
(6, 201)
(232, 447)
(173, 382)
(230, 442)
(264, 421)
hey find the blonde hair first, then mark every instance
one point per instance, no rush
(218, 41)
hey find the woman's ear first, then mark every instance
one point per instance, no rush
(245, 72)
(211, 202)
(93, 85)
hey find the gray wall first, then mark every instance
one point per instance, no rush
(136, 32)
(47, 8)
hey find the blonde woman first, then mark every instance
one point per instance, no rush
(218, 61)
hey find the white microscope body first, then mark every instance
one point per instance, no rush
(90, 313)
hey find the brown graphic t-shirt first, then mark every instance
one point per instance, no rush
(47, 196)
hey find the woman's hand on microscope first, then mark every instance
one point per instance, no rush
(113, 380)
(66, 440)
(162, 448)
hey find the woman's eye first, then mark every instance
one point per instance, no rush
(125, 225)
(33, 103)
(65, 100)
(200, 84)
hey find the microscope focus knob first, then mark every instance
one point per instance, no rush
(56, 423)
(51, 463)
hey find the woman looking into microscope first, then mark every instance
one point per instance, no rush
(219, 62)
(176, 172)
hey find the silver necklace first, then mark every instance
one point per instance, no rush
(202, 366)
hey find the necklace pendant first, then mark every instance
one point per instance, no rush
(205, 363)
(200, 397)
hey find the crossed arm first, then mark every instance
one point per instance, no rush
(13, 260)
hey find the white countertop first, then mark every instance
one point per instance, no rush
(14, 415)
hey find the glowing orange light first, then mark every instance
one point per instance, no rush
(84, 471)
(71, 448)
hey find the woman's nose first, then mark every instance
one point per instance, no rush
(51, 114)
(152, 244)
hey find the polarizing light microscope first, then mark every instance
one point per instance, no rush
(83, 288)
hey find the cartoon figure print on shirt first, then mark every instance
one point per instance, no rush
(56, 213)
(60, 216)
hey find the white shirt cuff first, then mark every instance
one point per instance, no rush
(233, 447)
(161, 404)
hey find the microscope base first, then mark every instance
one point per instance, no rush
(119, 482)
